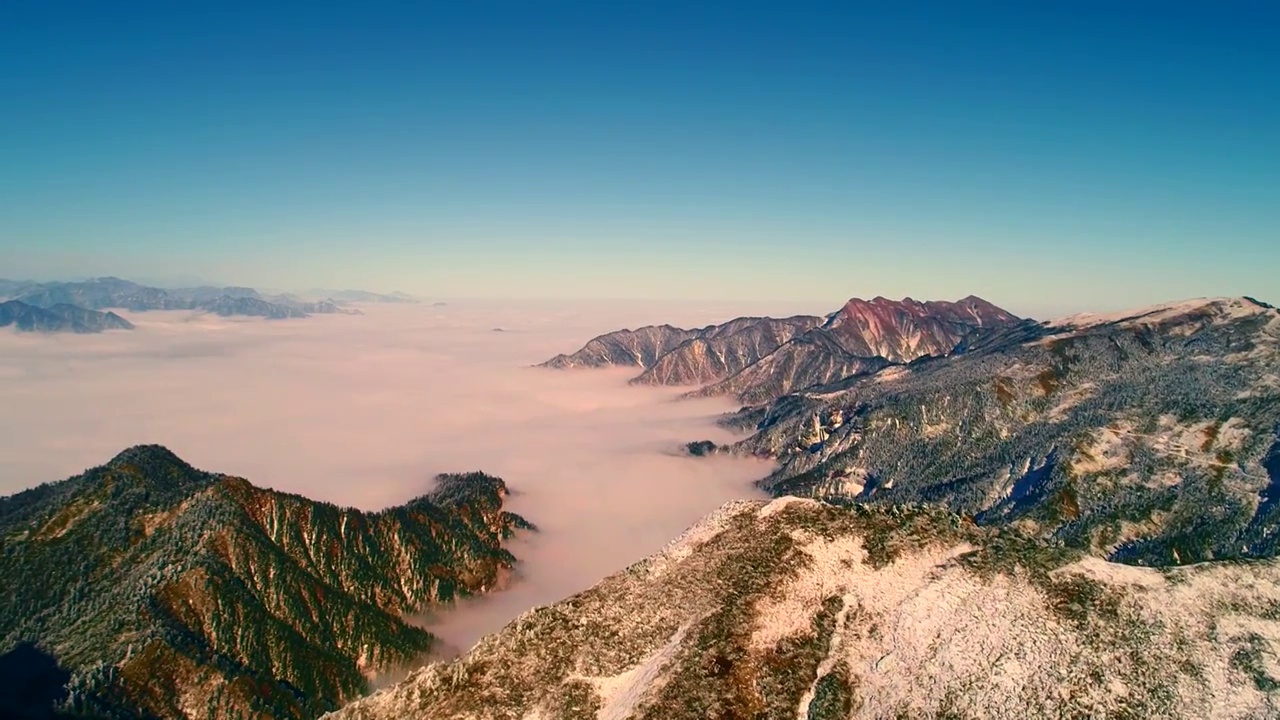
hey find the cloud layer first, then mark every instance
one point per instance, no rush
(365, 410)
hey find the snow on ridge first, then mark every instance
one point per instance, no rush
(779, 504)
(620, 694)
(1229, 308)
(699, 533)
(838, 567)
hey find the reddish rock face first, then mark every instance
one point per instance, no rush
(904, 330)
(758, 359)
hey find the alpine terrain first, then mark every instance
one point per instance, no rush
(168, 592)
(799, 609)
(1022, 520)
(758, 359)
(1148, 437)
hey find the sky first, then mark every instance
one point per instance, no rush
(1084, 156)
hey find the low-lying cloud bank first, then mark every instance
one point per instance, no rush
(365, 410)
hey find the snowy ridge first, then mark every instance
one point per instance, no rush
(1149, 416)
(810, 611)
(1220, 309)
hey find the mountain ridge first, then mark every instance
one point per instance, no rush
(796, 608)
(169, 591)
(61, 317)
(112, 292)
(756, 359)
(1107, 433)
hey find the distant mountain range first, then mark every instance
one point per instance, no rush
(169, 592)
(71, 300)
(101, 293)
(798, 609)
(59, 318)
(757, 359)
(363, 296)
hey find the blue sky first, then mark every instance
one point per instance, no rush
(1096, 155)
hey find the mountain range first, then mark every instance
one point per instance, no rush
(1003, 519)
(109, 292)
(58, 318)
(1150, 437)
(363, 296)
(801, 609)
(975, 516)
(167, 592)
(757, 358)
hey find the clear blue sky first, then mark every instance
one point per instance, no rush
(1095, 155)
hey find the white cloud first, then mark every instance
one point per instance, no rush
(365, 410)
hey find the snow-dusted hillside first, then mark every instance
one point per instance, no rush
(1148, 437)
(798, 609)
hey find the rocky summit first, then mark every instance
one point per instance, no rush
(166, 592)
(758, 359)
(800, 609)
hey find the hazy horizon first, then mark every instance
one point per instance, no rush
(659, 311)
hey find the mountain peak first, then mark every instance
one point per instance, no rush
(148, 454)
(970, 310)
(152, 463)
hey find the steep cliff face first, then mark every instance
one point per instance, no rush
(758, 359)
(1139, 436)
(797, 609)
(175, 593)
(904, 330)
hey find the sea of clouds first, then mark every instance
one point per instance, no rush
(364, 410)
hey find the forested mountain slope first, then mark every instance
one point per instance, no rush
(174, 593)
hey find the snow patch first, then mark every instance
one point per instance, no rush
(699, 533)
(1104, 451)
(775, 506)
(836, 567)
(1072, 398)
(890, 374)
(621, 694)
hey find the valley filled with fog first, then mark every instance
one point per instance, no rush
(365, 410)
